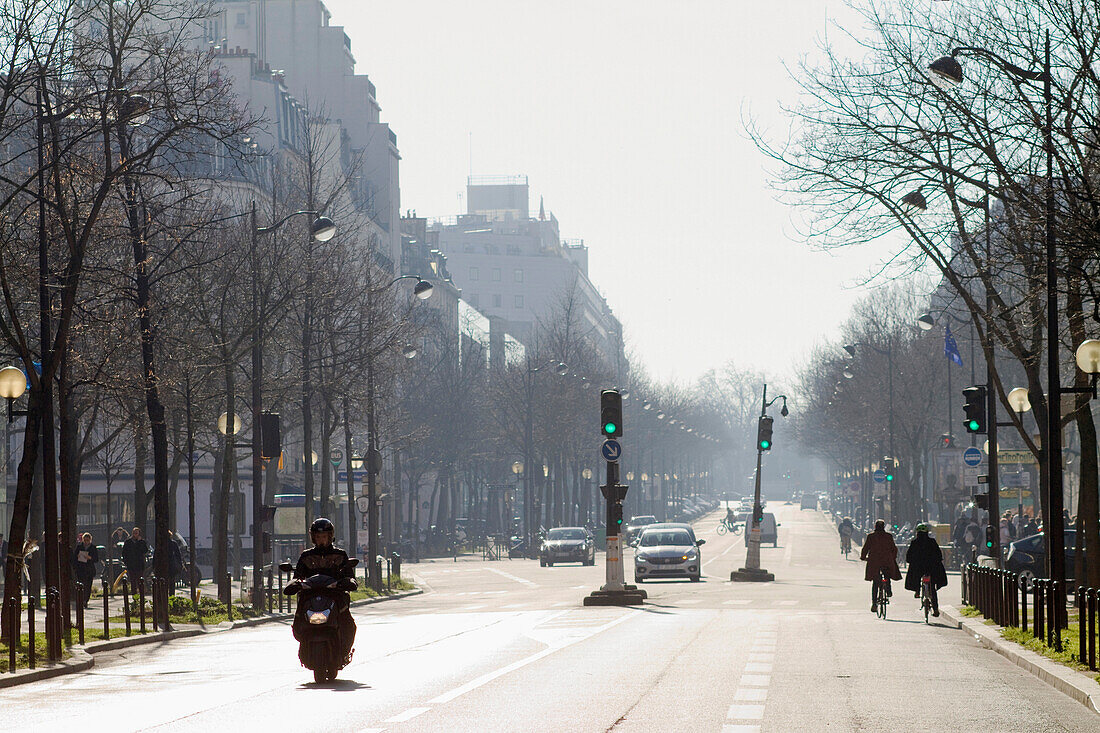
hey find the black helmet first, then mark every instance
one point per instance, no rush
(320, 524)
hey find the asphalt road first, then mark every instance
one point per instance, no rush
(507, 646)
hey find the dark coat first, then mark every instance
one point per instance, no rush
(86, 569)
(924, 558)
(881, 553)
(133, 555)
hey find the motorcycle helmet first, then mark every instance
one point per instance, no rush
(922, 527)
(320, 525)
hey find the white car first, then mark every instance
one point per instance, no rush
(667, 551)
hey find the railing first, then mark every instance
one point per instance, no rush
(1002, 596)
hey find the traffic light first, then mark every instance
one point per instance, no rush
(757, 514)
(611, 413)
(270, 439)
(974, 407)
(266, 539)
(615, 521)
(764, 434)
(981, 501)
(890, 465)
(989, 536)
(947, 441)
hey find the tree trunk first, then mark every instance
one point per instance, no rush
(1088, 503)
(21, 508)
(141, 499)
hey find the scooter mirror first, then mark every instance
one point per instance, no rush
(286, 567)
(353, 561)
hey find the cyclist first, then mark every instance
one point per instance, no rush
(731, 517)
(846, 529)
(881, 553)
(925, 558)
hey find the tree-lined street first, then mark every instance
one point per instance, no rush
(506, 645)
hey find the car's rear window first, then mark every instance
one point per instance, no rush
(665, 537)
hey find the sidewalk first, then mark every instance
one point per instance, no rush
(1081, 687)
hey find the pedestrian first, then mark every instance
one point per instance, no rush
(924, 557)
(134, 551)
(85, 556)
(881, 554)
(1005, 531)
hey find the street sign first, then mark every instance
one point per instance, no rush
(1015, 456)
(362, 503)
(970, 476)
(854, 488)
(1017, 480)
(879, 476)
(983, 479)
(336, 457)
(972, 456)
(612, 450)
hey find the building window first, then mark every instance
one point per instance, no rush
(519, 301)
(241, 19)
(474, 274)
(496, 300)
(519, 276)
(496, 274)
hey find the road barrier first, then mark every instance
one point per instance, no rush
(1087, 602)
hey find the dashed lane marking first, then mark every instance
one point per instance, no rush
(758, 667)
(407, 715)
(755, 680)
(516, 578)
(746, 712)
(727, 728)
(751, 694)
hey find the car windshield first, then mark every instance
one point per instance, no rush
(643, 520)
(666, 537)
(566, 534)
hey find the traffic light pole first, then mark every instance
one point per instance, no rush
(752, 572)
(614, 495)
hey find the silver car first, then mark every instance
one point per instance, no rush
(667, 551)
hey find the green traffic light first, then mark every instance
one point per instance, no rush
(765, 444)
(889, 477)
(609, 428)
(972, 426)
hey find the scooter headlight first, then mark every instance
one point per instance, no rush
(318, 617)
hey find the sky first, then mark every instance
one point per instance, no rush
(628, 119)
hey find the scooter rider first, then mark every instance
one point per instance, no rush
(325, 559)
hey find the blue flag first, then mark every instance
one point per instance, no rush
(950, 348)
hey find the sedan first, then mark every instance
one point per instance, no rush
(567, 544)
(667, 551)
(1028, 556)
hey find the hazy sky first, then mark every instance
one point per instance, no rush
(627, 117)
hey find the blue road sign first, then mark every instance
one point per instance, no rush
(879, 476)
(972, 456)
(611, 450)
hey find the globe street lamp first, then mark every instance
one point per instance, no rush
(1018, 400)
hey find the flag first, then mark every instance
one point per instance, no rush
(950, 348)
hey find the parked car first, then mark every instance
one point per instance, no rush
(567, 544)
(667, 550)
(1028, 556)
(769, 531)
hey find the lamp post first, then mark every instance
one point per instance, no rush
(422, 290)
(947, 74)
(229, 425)
(517, 471)
(1018, 400)
(321, 229)
(528, 448)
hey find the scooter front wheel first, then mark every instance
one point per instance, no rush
(320, 675)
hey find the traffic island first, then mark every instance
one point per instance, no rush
(751, 575)
(615, 597)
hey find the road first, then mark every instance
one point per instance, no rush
(507, 646)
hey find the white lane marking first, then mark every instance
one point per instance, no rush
(835, 603)
(790, 548)
(751, 694)
(719, 555)
(515, 605)
(786, 603)
(559, 604)
(578, 587)
(767, 633)
(516, 578)
(746, 712)
(767, 658)
(758, 667)
(473, 608)
(755, 680)
(690, 601)
(490, 676)
(727, 728)
(407, 715)
(738, 602)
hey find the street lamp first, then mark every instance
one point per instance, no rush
(947, 73)
(13, 383)
(561, 370)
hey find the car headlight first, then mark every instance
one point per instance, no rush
(641, 558)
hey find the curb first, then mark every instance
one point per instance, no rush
(79, 662)
(82, 656)
(1076, 685)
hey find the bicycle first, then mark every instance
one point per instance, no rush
(727, 526)
(926, 595)
(845, 545)
(881, 599)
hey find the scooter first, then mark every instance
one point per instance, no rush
(322, 603)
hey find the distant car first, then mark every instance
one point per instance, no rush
(667, 550)
(567, 544)
(637, 524)
(809, 501)
(1028, 556)
(768, 530)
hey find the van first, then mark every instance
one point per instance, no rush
(768, 530)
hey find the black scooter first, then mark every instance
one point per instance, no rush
(322, 603)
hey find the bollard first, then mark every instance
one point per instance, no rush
(229, 596)
(154, 600)
(1082, 625)
(12, 609)
(389, 575)
(1023, 602)
(126, 604)
(1090, 603)
(79, 590)
(106, 611)
(1039, 605)
(141, 604)
(53, 630)
(1054, 628)
(32, 601)
(280, 590)
(270, 583)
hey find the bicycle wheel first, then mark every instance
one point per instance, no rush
(738, 529)
(722, 528)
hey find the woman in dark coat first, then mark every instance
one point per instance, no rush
(881, 553)
(925, 558)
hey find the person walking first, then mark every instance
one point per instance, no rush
(134, 551)
(85, 556)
